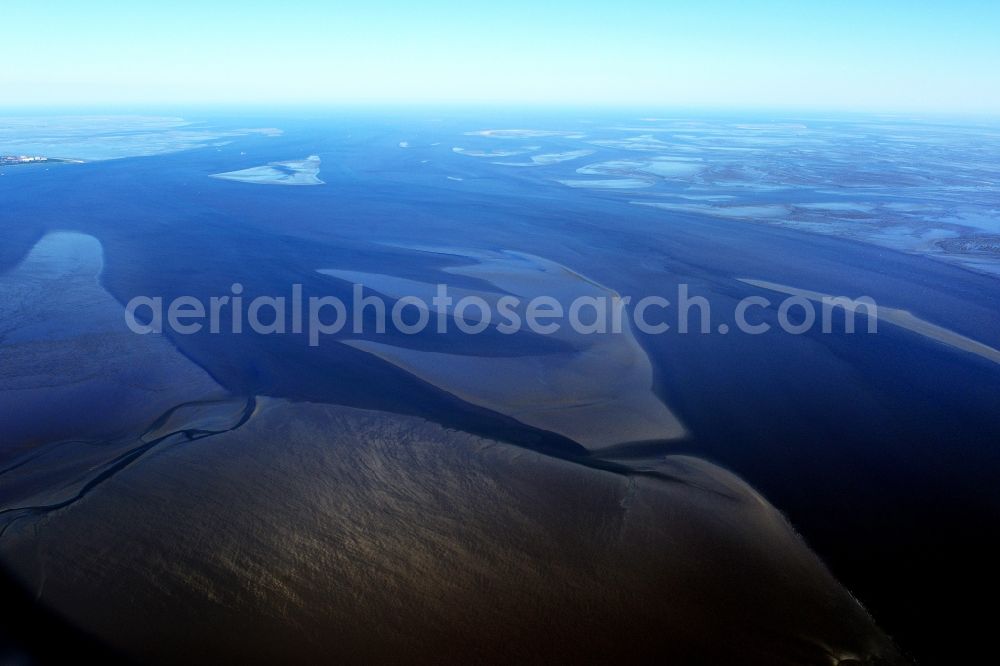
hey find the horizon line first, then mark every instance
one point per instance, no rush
(126, 108)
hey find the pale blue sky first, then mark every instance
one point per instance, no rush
(877, 55)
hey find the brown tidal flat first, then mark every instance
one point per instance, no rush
(325, 532)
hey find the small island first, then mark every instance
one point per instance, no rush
(290, 172)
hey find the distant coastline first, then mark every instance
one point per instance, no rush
(11, 160)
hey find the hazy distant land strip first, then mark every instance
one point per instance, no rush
(104, 137)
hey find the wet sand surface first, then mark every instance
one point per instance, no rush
(324, 532)
(598, 392)
(70, 369)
